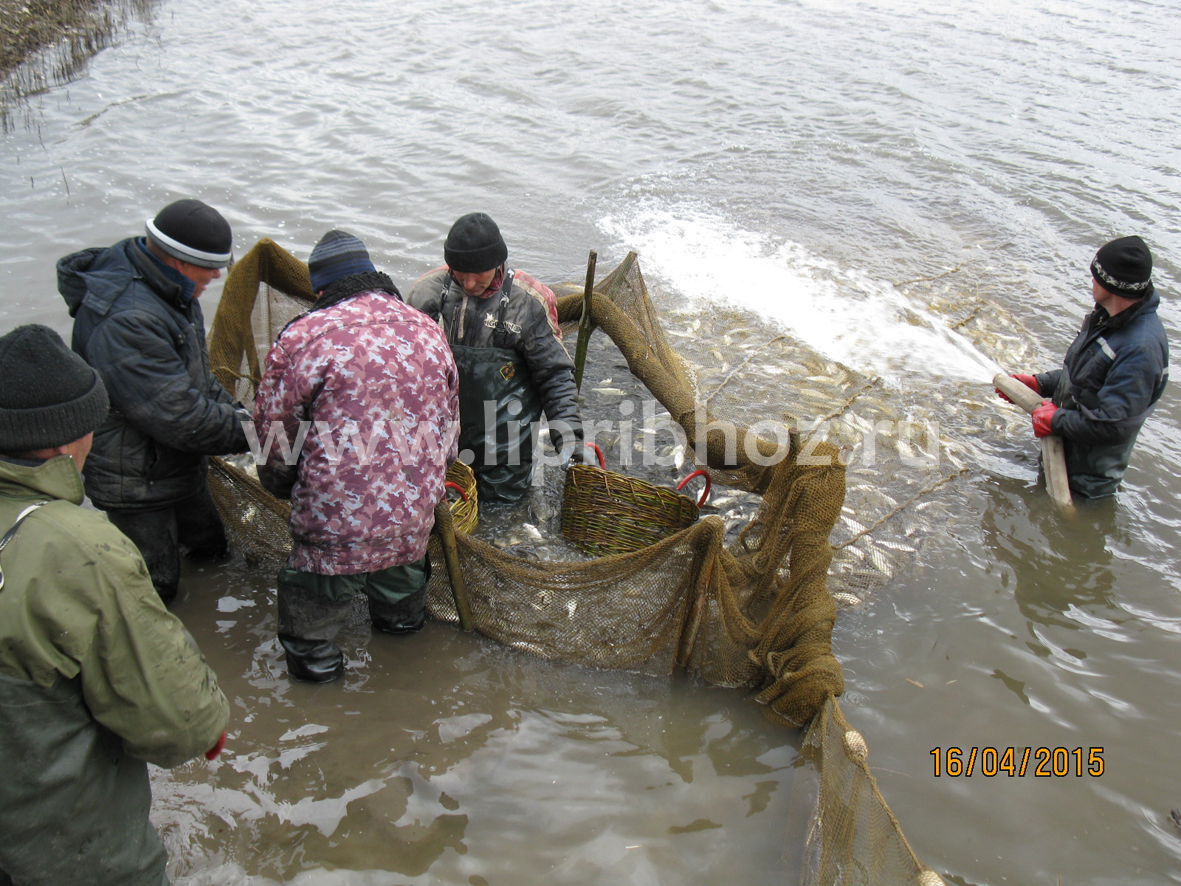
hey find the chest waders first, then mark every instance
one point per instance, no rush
(499, 406)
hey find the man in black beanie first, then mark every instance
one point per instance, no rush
(1113, 374)
(137, 320)
(97, 678)
(502, 326)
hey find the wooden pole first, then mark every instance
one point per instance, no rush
(584, 323)
(446, 531)
(1053, 451)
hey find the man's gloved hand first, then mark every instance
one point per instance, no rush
(212, 753)
(578, 454)
(1028, 380)
(1042, 417)
(243, 417)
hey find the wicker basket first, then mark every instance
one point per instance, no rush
(608, 513)
(465, 507)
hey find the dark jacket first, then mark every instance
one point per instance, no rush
(1109, 383)
(137, 324)
(96, 677)
(529, 327)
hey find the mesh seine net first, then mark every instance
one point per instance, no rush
(739, 598)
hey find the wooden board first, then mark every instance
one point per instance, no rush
(1053, 452)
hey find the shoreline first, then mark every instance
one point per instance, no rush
(45, 42)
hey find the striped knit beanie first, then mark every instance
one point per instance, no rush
(337, 255)
(194, 232)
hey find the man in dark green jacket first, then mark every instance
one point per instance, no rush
(97, 678)
(138, 321)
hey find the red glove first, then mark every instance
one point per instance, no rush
(212, 753)
(1042, 417)
(1028, 380)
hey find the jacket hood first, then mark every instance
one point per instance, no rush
(71, 277)
(55, 478)
(96, 277)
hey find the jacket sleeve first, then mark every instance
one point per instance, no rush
(552, 371)
(282, 402)
(425, 294)
(143, 676)
(1047, 382)
(150, 386)
(1122, 402)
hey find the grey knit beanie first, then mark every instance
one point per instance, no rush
(49, 396)
(474, 245)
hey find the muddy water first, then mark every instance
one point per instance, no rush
(443, 758)
(872, 183)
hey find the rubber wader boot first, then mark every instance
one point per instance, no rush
(406, 616)
(308, 625)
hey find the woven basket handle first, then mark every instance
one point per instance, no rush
(463, 492)
(599, 453)
(705, 492)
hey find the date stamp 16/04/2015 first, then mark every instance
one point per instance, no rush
(955, 762)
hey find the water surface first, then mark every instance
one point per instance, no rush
(909, 192)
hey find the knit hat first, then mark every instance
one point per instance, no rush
(337, 255)
(1124, 267)
(49, 395)
(474, 245)
(193, 232)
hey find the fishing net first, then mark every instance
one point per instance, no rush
(739, 597)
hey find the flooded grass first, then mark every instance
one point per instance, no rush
(44, 43)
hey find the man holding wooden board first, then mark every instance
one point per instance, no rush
(1111, 377)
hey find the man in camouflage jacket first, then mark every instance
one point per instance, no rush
(357, 412)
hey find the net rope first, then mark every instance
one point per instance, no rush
(738, 600)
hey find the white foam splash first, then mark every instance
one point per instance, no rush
(845, 315)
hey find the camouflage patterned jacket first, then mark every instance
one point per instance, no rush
(358, 407)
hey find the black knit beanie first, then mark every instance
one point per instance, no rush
(49, 396)
(193, 232)
(1124, 267)
(338, 255)
(474, 245)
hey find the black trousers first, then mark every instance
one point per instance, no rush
(192, 527)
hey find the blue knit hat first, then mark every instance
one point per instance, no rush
(337, 255)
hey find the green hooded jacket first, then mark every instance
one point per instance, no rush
(96, 677)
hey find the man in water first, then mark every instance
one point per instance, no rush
(369, 386)
(502, 326)
(137, 320)
(1113, 374)
(97, 678)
